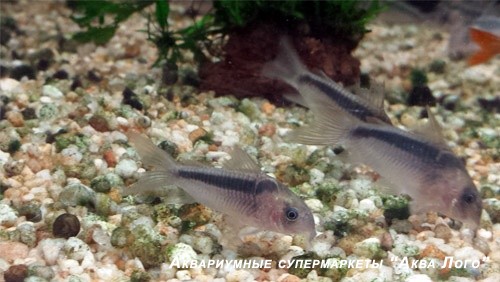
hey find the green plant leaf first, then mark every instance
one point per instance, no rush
(162, 11)
(98, 35)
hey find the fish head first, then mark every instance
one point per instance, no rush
(460, 199)
(467, 206)
(283, 210)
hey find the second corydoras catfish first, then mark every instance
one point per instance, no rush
(241, 191)
(418, 164)
(288, 68)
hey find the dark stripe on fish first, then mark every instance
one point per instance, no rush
(359, 111)
(421, 149)
(221, 180)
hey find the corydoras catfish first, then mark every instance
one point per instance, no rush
(241, 191)
(368, 107)
(418, 163)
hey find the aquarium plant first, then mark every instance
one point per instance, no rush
(332, 27)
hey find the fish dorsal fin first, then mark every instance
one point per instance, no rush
(431, 130)
(241, 160)
(374, 95)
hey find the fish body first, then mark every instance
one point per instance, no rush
(288, 68)
(243, 192)
(418, 164)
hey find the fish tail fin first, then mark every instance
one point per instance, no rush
(162, 177)
(286, 66)
(331, 125)
(489, 45)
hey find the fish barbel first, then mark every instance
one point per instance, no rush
(240, 190)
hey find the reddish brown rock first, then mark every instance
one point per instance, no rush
(249, 48)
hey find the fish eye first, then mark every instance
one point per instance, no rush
(468, 197)
(291, 213)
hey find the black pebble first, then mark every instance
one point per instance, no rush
(51, 137)
(61, 74)
(94, 76)
(490, 105)
(131, 99)
(191, 78)
(170, 73)
(43, 64)
(21, 71)
(66, 225)
(3, 71)
(76, 83)
(4, 39)
(29, 113)
(3, 110)
(421, 96)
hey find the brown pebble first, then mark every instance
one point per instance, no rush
(347, 243)
(267, 108)
(16, 273)
(110, 158)
(443, 231)
(291, 278)
(432, 251)
(10, 251)
(15, 118)
(65, 226)
(196, 134)
(386, 241)
(196, 213)
(79, 112)
(267, 129)
(99, 123)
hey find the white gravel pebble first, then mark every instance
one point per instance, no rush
(76, 249)
(418, 278)
(9, 85)
(7, 215)
(183, 275)
(126, 168)
(316, 176)
(468, 253)
(239, 276)
(52, 91)
(367, 205)
(50, 249)
(182, 253)
(314, 204)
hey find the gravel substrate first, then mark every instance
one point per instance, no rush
(65, 162)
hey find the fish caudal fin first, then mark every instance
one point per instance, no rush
(286, 66)
(489, 46)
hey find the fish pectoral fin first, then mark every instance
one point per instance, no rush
(241, 160)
